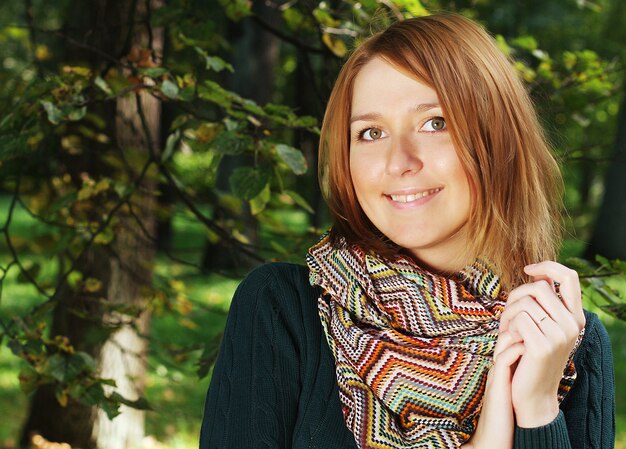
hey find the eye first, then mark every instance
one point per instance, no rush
(434, 124)
(371, 134)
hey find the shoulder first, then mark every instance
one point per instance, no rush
(279, 287)
(277, 274)
(278, 279)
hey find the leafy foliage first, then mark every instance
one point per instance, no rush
(230, 163)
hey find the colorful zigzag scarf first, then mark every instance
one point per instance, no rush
(412, 348)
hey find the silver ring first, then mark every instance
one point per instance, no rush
(541, 320)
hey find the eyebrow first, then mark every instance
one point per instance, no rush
(420, 108)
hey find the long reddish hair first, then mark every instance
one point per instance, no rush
(514, 179)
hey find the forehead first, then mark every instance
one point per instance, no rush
(381, 86)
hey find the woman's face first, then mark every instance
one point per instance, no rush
(404, 167)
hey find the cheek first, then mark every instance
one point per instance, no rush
(359, 173)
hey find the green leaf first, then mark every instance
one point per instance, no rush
(413, 7)
(74, 114)
(237, 9)
(29, 379)
(293, 18)
(55, 116)
(153, 72)
(102, 85)
(525, 43)
(169, 89)
(247, 182)
(324, 18)
(66, 367)
(140, 404)
(170, 145)
(300, 201)
(293, 158)
(306, 121)
(232, 143)
(214, 63)
(213, 92)
(55, 367)
(258, 203)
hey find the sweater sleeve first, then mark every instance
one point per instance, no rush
(587, 416)
(252, 400)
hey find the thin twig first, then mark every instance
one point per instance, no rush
(289, 39)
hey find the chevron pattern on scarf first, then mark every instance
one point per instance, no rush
(412, 348)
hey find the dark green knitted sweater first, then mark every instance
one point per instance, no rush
(274, 382)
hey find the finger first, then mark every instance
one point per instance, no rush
(569, 284)
(505, 340)
(532, 337)
(526, 304)
(543, 294)
(510, 355)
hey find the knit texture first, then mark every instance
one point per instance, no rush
(412, 348)
(274, 385)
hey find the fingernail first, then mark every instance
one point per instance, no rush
(530, 265)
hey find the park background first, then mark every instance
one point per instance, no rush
(154, 151)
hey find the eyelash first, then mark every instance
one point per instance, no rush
(359, 135)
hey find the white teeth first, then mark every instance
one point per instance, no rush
(409, 198)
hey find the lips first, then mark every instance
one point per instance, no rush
(400, 198)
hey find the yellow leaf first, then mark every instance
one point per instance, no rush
(102, 185)
(105, 237)
(81, 71)
(188, 323)
(42, 53)
(241, 237)
(92, 285)
(86, 192)
(207, 132)
(336, 45)
(177, 285)
(183, 305)
(62, 397)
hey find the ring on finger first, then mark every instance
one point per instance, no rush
(557, 289)
(541, 320)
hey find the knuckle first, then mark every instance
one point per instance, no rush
(542, 283)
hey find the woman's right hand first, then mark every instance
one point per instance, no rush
(497, 422)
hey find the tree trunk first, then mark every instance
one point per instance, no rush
(609, 235)
(122, 357)
(124, 267)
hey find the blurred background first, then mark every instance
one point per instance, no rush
(154, 151)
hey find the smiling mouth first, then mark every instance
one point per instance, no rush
(413, 197)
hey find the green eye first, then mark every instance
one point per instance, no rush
(372, 134)
(435, 124)
(439, 123)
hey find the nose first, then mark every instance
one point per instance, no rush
(403, 156)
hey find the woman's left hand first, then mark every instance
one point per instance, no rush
(547, 316)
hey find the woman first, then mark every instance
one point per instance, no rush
(438, 177)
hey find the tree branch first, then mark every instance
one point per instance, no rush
(291, 40)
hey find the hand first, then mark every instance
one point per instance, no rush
(547, 321)
(496, 424)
